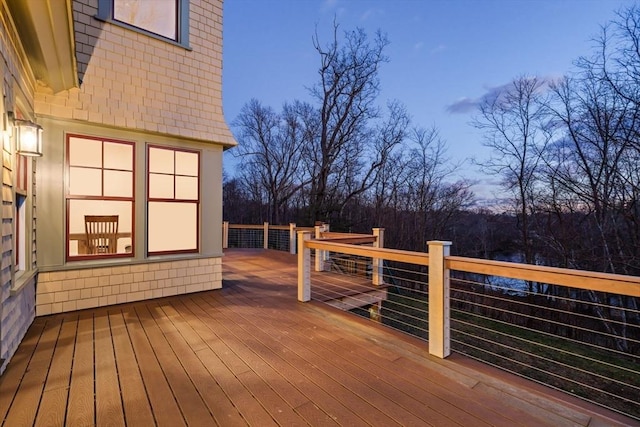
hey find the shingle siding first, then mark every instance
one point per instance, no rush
(17, 309)
(70, 290)
(132, 80)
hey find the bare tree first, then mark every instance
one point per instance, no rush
(346, 92)
(270, 151)
(514, 124)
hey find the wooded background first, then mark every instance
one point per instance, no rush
(566, 151)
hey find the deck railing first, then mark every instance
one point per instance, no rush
(278, 237)
(267, 236)
(576, 331)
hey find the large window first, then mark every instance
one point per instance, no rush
(165, 18)
(100, 197)
(173, 200)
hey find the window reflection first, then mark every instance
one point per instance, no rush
(157, 16)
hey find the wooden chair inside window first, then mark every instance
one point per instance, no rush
(101, 233)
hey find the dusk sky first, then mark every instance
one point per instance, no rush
(444, 55)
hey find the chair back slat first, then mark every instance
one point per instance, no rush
(101, 233)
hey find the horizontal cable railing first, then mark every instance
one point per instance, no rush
(265, 236)
(245, 238)
(279, 239)
(572, 330)
(555, 335)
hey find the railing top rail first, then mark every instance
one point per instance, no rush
(271, 227)
(602, 282)
(247, 226)
(367, 251)
(591, 280)
(336, 234)
(352, 238)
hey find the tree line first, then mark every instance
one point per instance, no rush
(566, 151)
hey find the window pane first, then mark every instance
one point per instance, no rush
(160, 160)
(186, 188)
(85, 182)
(172, 226)
(186, 163)
(77, 234)
(118, 156)
(157, 16)
(118, 184)
(160, 186)
(85, 152)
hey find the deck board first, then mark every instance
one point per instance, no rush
(10, 381)
(297, 342)
(81, 404)
(297, 367)
(193, 408)
(214, 397)
(163, 404)
(109, 408)
(350, 362)
(51, 412)
(225, 366)
(24, 407)
(251, 354)
(137, 409)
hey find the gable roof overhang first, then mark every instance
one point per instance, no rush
(45, 28)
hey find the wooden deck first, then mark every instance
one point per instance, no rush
(250, 354)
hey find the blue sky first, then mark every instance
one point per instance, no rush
(443, 54)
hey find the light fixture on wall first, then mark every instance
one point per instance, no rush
(28, 138)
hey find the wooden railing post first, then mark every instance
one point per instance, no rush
(266, 235)
(321, 256)
(225, 234)
(377, 275)
(292, 238)
(439, 314)
(319, 264)
(304, 267)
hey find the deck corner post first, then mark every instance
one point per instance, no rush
(292, 238)
(377, 274)
(304, 267)
(266, 236)
(439, 298)
(225, 234)
(319, 229)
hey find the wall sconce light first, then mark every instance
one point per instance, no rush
(28, 138)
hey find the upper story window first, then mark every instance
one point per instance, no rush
(166, 19)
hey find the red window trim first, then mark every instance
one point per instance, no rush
(70, 197)
(196, 202)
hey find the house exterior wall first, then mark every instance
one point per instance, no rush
(133, 81)
(17, 294)
(70, 290)
(141, 89)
